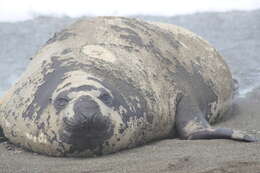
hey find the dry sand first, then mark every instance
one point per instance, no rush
(171, 155)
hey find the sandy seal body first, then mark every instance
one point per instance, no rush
(111, 83)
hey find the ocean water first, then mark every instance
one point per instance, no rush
(235, 34)
(13, 10)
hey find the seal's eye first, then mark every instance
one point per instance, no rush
(60, 103)
(105, 97)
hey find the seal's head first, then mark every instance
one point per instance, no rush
(85, 107)
(94, 113)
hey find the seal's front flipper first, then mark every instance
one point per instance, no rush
(222, 133)
(191, 124)
(2, 137)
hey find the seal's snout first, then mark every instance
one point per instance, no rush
(88, 128)
(85, 109)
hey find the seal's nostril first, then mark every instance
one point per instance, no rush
(85, 106)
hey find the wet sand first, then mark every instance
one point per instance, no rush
(171, 155)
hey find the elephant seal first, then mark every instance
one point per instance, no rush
(110, 83)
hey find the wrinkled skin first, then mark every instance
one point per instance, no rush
(110, 83)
